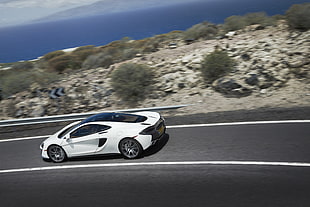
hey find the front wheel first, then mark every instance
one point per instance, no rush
(130, 148)
(56, 153)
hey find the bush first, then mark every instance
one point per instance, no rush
(298, 16)
(132, 82)
(22, 65)
(98, 60)
(258, 18)
(53, 54)
(215, 65)
(63, 62)
(204, 30)
(233, 23)
(83, 52)
(15, 81)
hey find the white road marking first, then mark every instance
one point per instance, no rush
(24, 138)
(183, 126)
(137, 164)
(239, 123)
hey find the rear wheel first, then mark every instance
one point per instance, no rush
(56, 153)
(130, 148)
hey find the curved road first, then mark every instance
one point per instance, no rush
(161, 178)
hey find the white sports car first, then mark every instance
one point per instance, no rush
(105, 133)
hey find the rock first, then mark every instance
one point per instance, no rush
(263, 91)
(197, 60)
(38, 112)
(181, 85)
(253, 80)
(230, 34)
(173, 45)
(230, 88)
(245, 57)
(186, 59)
(19, 113)
(298, 63)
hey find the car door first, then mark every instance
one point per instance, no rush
(84, 140)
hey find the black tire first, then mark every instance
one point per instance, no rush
(130, 148)
(56, 153)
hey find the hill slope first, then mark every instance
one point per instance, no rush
(272, 71)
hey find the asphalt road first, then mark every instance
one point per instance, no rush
(170, 185)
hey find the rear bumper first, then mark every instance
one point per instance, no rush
(158, 134)
(158, 138)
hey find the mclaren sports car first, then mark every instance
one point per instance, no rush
(128, 134)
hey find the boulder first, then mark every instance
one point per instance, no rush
(38, 111)
(252, 80)
(230, 88)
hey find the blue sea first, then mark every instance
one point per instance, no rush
(28, 42)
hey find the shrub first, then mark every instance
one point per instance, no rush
(83, 52)
(15, 81)
(53, 54)
(298, 16)
(233, 23)
(86, 47)
(258, 18)
(132, 82)
(204, 30)
(22, 65)
(98, 60)
(215, 65)
(129, 53)
(63, 62)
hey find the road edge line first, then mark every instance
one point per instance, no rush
(252, 163)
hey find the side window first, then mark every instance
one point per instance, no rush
(84, 131)
(103, 128)
(88, 130)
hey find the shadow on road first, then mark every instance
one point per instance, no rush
(157, 147)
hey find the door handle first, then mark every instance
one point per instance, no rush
(102, 132)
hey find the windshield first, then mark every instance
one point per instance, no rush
(66, 130)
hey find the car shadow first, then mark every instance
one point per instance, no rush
(95, 157)
(148, 152)
(157, 147)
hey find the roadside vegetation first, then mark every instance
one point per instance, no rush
(132, 82)
(298, 16)
(22, 75)
(16, 80)
(216, 65)
(233, 23)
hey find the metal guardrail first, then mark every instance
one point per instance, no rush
(76, 117)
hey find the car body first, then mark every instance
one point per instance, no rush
(128, 134)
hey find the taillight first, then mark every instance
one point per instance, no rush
(148, 130)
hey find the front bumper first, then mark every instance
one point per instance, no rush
(44, 154)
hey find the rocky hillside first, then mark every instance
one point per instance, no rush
(272, 71)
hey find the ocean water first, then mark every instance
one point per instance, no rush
(28, 42)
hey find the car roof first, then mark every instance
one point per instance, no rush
(115, 117)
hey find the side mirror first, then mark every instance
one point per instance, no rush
(67, 137)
